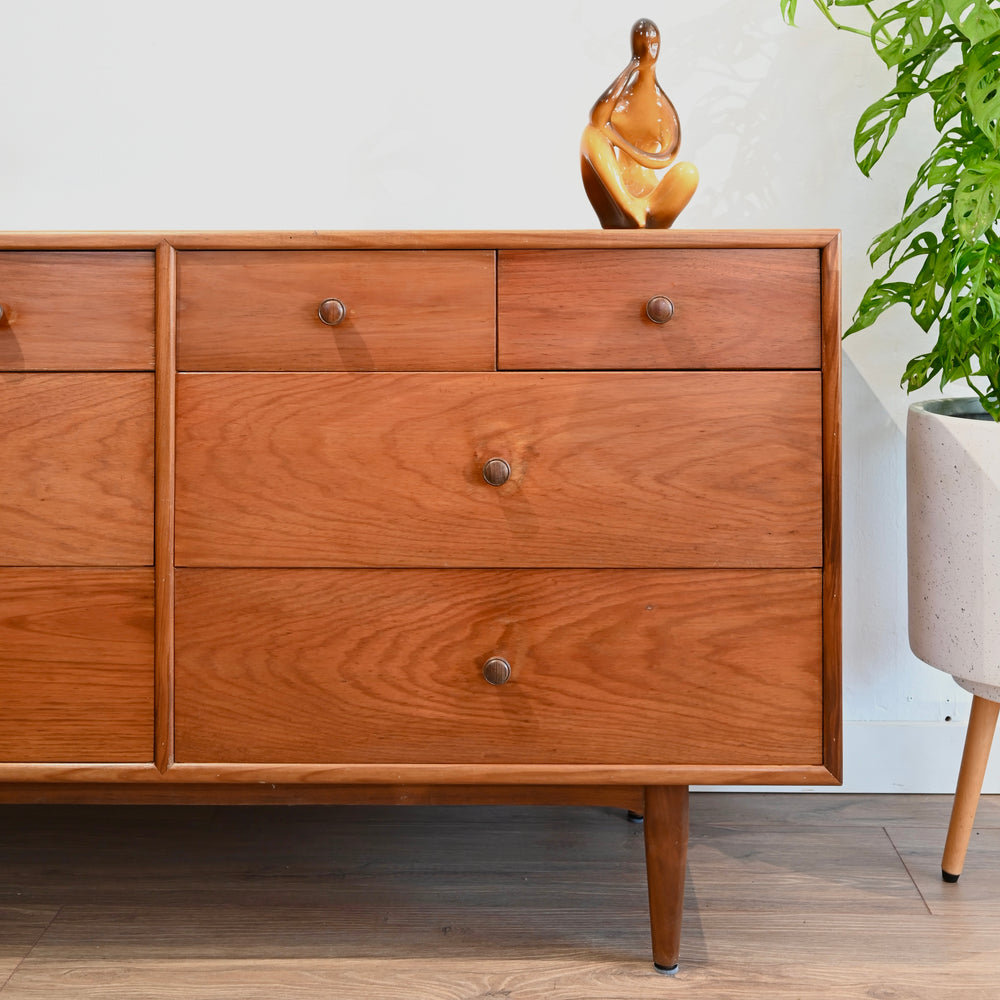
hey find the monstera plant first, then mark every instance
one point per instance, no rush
(942, 259)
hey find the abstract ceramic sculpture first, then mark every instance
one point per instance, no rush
(633, 136)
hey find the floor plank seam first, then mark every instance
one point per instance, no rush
(24, 958)
(909, 874)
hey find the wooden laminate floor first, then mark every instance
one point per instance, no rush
(826, 896)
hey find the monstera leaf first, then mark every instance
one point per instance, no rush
(907, 29)
(982, 88)
(947, 235)
(977, 200)
(879, 122)
(976, 19)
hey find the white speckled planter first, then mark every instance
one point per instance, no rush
(953, 541)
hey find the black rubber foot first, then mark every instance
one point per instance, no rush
(948, 877)
(634, 817)
(666, 970)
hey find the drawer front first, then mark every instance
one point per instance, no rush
(76, 311)
(578, 309)
(404, 310)
(76, 665)
(386, 666)
(76, 469)
(611, 469)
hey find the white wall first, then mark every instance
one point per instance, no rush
(316, 114)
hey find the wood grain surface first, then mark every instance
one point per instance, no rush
(665, 820)
(573, 309)
(180, 783)
(77, 458)
(166, 424)
(76, 311)
(833, 576)
(427, 239)
(76, 665)
(406, 310)
(257, 791)
(641, 667)
(608, 469)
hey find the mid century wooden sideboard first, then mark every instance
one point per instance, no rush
(421, 517)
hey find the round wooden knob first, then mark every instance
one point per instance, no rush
(496, 670)
(496, 472)
(659, 309)
(332, 311)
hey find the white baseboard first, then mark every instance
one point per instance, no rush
(898, 757)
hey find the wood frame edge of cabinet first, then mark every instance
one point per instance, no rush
(831, 320)
(416, 239)
(418, 774)
(625, 797)
(163, 510)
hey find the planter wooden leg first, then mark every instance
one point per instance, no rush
(978, 740)
(666, 832)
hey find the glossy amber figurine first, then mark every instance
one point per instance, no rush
(633, 133)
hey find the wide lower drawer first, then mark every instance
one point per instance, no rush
(402, 310)
(608, 469)
(76, 469)
(621, 667)
(76, 311)
(76, 665)
(577, 309)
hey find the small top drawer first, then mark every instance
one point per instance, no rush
(76, 311)
(587, 309)
(404, 310)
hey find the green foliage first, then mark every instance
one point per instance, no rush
(947, 51)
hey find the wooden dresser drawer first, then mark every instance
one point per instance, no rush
(625, 667)
(76, 455)
(733, 308)
(76, 670)
(405, 310)
(76, 311)
(607, 469)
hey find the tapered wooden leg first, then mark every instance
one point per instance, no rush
(666, 831)
(978, 740)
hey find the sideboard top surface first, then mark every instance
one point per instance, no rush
(421, 240)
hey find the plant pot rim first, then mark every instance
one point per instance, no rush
(953, 406)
